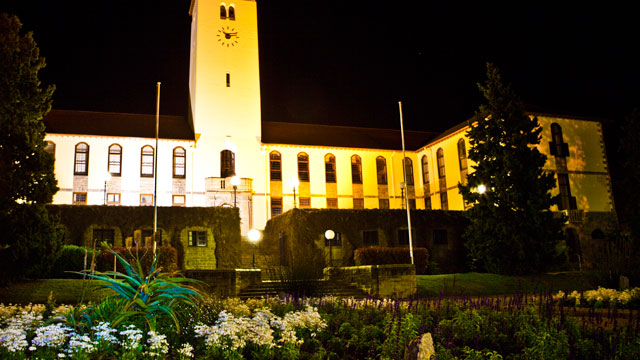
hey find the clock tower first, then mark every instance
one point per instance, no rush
(224, 93)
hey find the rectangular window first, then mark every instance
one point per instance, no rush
(276, 206)
(567, 202)
(146, 199)
(198, 238)
(383, 203)
(179, 200)
(444, 202)
(100, 235)
(305, 202)
(303, 167)
(412, 204)
(358, 203)
(440, 237)
(403, 237)
(228, 80)
(80, 198)
(332, 203)
(113, 199)
(337, 240)
(146, 161)
(370, 237)
(427, 203)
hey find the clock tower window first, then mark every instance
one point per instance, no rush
(223, 12)
(232, 12)
(228, 80)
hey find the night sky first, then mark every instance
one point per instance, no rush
(349, 63)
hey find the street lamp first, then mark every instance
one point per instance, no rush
(330, 235)
(294, 182)
(481, 189)
(254, 237)
(235, 181)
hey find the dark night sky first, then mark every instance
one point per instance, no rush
(341, 62)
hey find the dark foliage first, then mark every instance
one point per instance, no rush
(167, 258)
(512, 230)
(390, 255)
(72, 258)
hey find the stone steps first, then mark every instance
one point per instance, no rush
(301, 288)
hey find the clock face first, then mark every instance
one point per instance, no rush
(228, 36)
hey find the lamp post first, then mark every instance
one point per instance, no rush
(330, 235)
(235, 181)
(402, 193)
(254, 237)
(294, 182)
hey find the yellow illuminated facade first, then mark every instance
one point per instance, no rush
(228, 139)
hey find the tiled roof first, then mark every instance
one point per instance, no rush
(342, 136)
(116, 124)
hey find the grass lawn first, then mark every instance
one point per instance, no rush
(65, 291)
(482, 284)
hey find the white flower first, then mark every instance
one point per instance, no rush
(132, 337)
(157, 344)
(102, 332)
(51, 336)
(80, 344)
(13, 339)
(186, 350)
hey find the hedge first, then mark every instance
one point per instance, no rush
(392, 255)
(167, 258)
(72, 258)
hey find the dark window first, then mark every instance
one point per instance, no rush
(223, 12)
(427, 202)
(275, 166)
(440, 158)
(148, 233)
(409, 166)
(358, 203)
(179, 163)
(356, 169)
(557, 146)
(597, 234)
(383, 203)
(303, 167)
(381, 169)
(305, 202)
(425, 170)
(115, 160)
(232, 13)
(403, 236)
(198, 238)
(440, 236)
(330, 168)
(81, 159)
(444, 202)
(412, 204)
(332, 203)
(337, 240)
(228, 78)
(227, 163)
(80, 198)
(462, 155)
(146, 161)
(567, 202)
(370, 237)
(276, 206)
(100, 235)
(51, 148)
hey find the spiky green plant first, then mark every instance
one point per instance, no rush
(149, 295)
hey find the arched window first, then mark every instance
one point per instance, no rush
(356, 169)
(81, 159)
(275, 166)
(381, 169)
(440, 158)
(409, 166)
(146, 161)
(330, 168)
(223, 11)
(303, 167)
(115, 160)
(179, 162)
(462, 155)
(425, 170)
(232, 12)
(227, 163)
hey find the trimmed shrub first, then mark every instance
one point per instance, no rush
(72, 258)
(167, 258)
(392, 255)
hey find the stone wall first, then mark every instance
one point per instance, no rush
(383, 281)
(226, 283)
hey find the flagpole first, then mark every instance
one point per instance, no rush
(155, 172)
(406, 192)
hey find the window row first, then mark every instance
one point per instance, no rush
(80, 198)
(227, 12)
(196, 238)
(114, 164)
(275, 167)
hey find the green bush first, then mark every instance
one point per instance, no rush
(167, 258)
(72, 258)
(392, 255)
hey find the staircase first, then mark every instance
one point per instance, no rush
(319, 287)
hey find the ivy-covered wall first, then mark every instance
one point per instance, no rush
(222, 224)
(296, 238)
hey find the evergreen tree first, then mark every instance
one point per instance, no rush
(29, 235)
(629, 176)
(512, 230)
